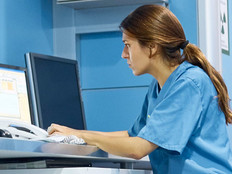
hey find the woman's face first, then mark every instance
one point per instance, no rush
(136, 55)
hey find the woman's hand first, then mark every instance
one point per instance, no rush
(56, 129)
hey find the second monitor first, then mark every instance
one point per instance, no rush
(56, 94)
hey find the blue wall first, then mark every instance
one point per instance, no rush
(186, 12)
(227, 59)
(26, 26)
(227, 63)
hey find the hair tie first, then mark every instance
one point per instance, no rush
(184, 44)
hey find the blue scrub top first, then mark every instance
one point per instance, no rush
(185, 121)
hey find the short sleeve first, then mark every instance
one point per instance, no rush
(174, 118)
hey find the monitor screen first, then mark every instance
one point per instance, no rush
(55, 89)
(14, 94)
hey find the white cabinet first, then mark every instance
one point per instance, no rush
(82, 4)
(76, 171)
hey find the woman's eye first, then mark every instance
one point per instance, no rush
(127, 45)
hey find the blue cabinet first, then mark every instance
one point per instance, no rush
(101, 63)
(112, 95)
(112, 109)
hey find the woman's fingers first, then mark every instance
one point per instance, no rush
(58, 129)
(53, 128)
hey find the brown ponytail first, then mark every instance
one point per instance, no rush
(193, 55)
(154, 24)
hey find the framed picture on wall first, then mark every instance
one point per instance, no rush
(224, 18)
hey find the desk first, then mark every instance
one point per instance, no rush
(56, 155)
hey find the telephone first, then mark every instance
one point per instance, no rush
(20, 130)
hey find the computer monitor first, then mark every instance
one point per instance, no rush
(14, 94)
(55, 91)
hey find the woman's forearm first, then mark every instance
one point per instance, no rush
(117, 143)
(113, 134)
(133, 147)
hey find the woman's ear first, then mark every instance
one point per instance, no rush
(153, 50)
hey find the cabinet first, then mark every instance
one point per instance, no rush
(77, 171)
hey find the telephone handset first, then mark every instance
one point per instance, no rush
(21, 130)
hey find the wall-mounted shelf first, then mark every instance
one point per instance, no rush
(82, 4)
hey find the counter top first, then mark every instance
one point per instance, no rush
(15, 150)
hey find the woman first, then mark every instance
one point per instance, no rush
(182, 126)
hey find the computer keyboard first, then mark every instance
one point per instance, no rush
(70, 139)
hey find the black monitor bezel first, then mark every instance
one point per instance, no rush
(13, 67)
(32, 57)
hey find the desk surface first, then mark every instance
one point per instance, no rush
(15, 149)
(25, 148)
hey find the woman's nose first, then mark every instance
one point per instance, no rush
(124, 55)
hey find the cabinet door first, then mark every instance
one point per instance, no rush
(101, 63)
(112, 109)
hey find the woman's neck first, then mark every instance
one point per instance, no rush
(162, 71)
